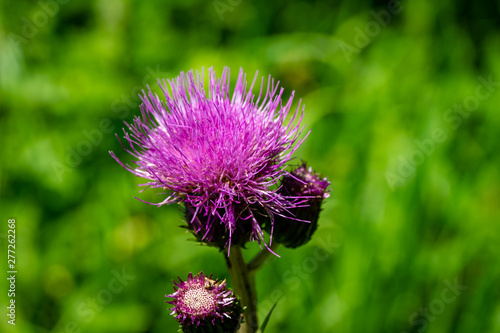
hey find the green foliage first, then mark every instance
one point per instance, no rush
(268, 316)
(402, 123)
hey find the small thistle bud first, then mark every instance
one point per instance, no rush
(204, 305)
(301, 182)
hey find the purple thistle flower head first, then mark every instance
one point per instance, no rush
(221, 155)
(202, 304)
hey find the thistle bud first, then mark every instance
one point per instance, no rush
(304, 183)
(204, 305)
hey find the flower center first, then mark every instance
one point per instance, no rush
(199, 300)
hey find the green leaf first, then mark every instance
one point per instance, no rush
(266, 320)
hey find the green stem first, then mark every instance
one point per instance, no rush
(261, 258)
(244, 287)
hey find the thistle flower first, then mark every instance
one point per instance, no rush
(221, 156)
(301, 182)
(205, 305)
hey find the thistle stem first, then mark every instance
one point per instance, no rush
(261, 257)
(244, 287)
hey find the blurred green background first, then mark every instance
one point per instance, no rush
(402, 103)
